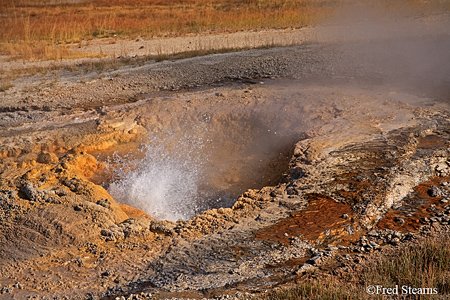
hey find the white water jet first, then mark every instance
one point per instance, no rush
(165, 182)
(199, 163)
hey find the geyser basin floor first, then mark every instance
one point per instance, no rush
(203, 149)
(229, 127)
(367, 146)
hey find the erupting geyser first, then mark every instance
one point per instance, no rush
(194, 163)
(167, 182)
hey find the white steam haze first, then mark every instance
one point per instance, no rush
(185, 169)
(397, 42)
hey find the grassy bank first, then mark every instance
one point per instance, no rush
(425, 266)
(41, 29)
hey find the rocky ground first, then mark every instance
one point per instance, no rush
(357, 134)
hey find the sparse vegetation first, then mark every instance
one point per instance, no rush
(4, 86)
(315, 290)
(41, 50)
(425, 265)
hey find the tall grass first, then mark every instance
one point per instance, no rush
(424, 265)
(316, 290)
(40, 23)
(421, 266)
(71, 23)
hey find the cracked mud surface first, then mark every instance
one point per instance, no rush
(326, 150)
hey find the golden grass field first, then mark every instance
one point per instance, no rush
(31, 29)
(42, 29)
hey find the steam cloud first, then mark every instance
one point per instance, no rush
(389, 42)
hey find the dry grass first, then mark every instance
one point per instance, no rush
(315, 290)
(39, 29)
(72, 23)
(31, 28)
(425, 265)
(41, 50)
(5, 85)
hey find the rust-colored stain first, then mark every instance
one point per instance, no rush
(354, 194)
(355, 190)
(414, 208)
(133, 212)
(321, 214)
(431, 141)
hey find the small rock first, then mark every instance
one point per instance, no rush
(424, 220)
(409, 236)
(314, 260)
(373, 244)
(373, 233)
(91, 296)
(78, 261)
(47, 158)
(399, 220)
(6, 290)
(349, 229)
(345, 217)
(17, 285)
(104, 202)
(33, 194)
(434, 192)
(331, 248)
(113, 233)
(92, 248)
(162, 227)
(397, 234)
(305, 268)
(395, 241)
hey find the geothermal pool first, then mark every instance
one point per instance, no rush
(205, 158)
(204, 149)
